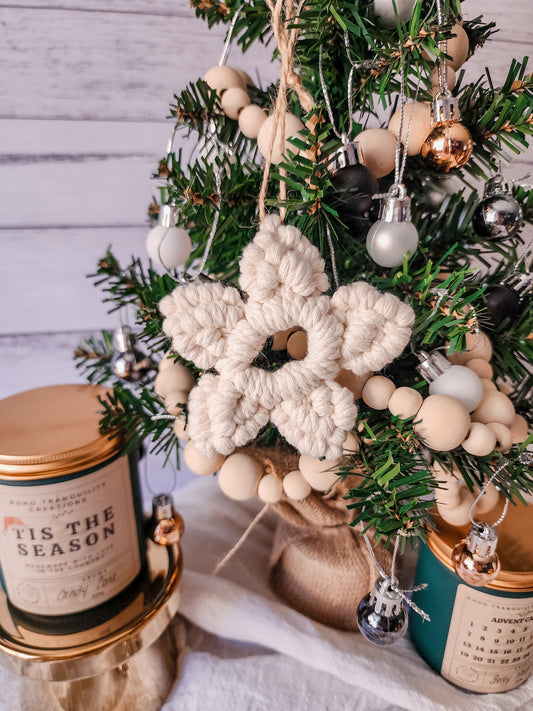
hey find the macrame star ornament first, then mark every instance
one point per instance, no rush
(358, 329)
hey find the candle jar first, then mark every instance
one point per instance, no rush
(479, 638)
(71, 522)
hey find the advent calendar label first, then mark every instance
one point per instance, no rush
(490, 641)
(70, 545)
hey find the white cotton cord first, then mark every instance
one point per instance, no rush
(393, 583)
(229, 38)
(229, 555)
(483, 492)
(332, 255)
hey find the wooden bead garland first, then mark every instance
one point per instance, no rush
(417, 120)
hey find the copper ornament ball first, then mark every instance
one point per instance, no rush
(448, 146)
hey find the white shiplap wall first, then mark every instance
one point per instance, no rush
(85, 90)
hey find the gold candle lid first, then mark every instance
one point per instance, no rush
(515, 545)
(53, 431)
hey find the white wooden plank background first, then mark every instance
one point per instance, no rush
(85, 89)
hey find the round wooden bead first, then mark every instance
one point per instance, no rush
(167, 361)
(233, 101)
(488, 384)
(179, 428)
(488, 501)
(251, 118)
(239, 476)
(504, 438)
(456, 514)
(351, 444)
(377, 392)
(377, 150)
(199, 463)
(222, 78)
(295, 486)
(173, 400)
(451, 78)
(505, 386)
(270, 489)
(480, 441)
(458, 47)
(320, 474)
(247, 79)
(444, 422)
(494, 407)
(519, 429)
(478, 345)
(480, 367)
(354, 383)
(416, 120)
(175, 377)
(297, 345)
(293, 126)
(405, 402)
(279, 340)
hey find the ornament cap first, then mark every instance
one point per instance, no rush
(384, 599)
(520, 283)
(124, 339)
(346, 156)
(166, 525)
(162, 507)
(396, 208)
(432, 365)
(168, 216)
(497, 185)
(445, 108)
(481, 539)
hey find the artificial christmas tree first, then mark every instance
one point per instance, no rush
(293, 330)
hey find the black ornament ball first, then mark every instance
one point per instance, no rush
(501, 302)
(497, 216)
(354, 187)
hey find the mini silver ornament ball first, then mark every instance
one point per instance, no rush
(497, 216)
(388, 242)
(381, 615)
(392, 12)
(128, 363)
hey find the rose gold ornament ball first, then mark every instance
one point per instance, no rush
(448, 146)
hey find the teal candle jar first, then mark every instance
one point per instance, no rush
(479, 638)
(71, 520)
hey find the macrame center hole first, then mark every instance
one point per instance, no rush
(281, 348)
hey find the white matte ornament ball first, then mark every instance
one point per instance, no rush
(251, 118)
(233, 101)
(377, 392)
(239, 476)
(392, 12)
(461, 383)
(481, 440)
(170, 247)
(175, 377)
(295, 486)
(222, 78)
(405, 402)
(377, 150)
(416, 121)
(443, 422)
(293, 126)
(387, 243)
(320, 474)
(494, 407)
(199, 463)
(270, 489)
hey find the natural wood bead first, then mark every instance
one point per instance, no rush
(270, 489)
(233, 101)
(295, 486)
(293, 126)
(351, 444)
(239, 476)
(478, 345)
(488, 384)
(354, 383)
(173, 399)
(199, 463)
(320, 474)
(251, 118)
(443, 422)
(458, 47)
(405, 402)
(279, 339)
(480, 441)
(488, 501)
(505, 386)
(297, 345)
(377, 392)
(417, 120)
(504, 438)
(494, 407)
(222, 78)
(179, 428)
(247, 79)
(377, 150)
(451, 78)
(519, 429)
(166, 361)
(174, 377)
(456, 515)
(480, 367)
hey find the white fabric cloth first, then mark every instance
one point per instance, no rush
(314, 668)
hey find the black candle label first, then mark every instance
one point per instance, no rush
(69, 546)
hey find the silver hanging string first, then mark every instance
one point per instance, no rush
(218, 182)
(519, 182)
(229, 38)
(327, 100)
(393, 582)
(332, 255)
(443, 62)
(482, 494)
